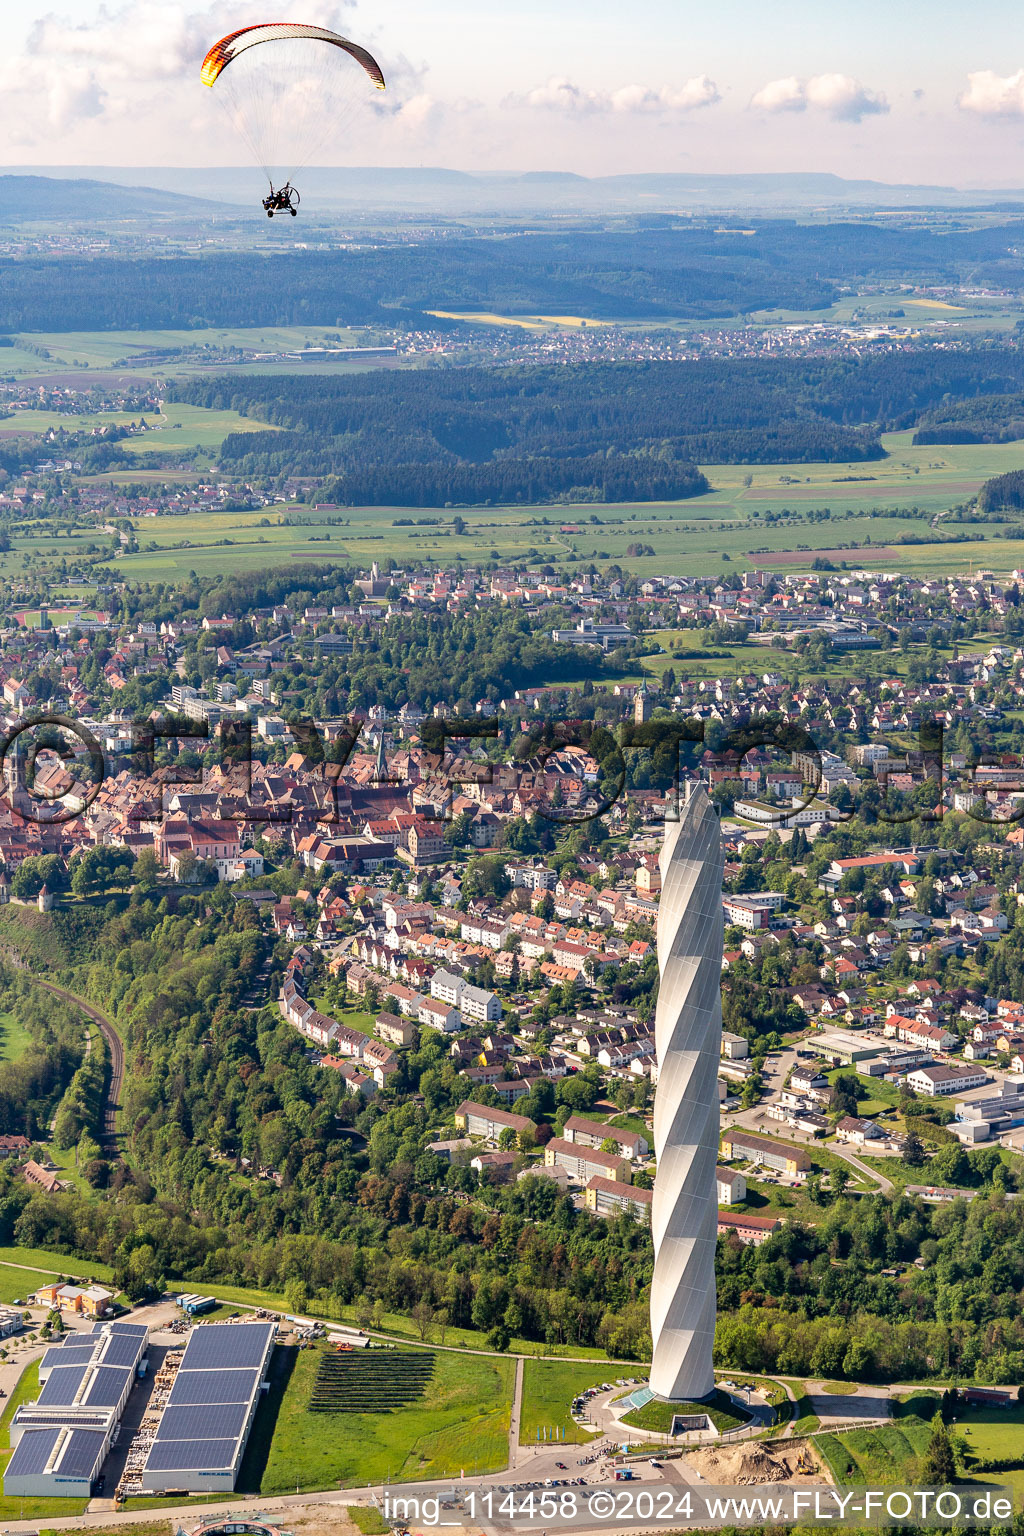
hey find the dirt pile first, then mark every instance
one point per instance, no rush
(755, 1462)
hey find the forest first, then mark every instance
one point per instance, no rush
(599, 432)
(1003, 493)
(661, 267)
(997, 418)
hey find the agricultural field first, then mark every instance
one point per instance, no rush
(778, 517)
(462, 1422)
(927, 315)
(696, 537)
(82, 351)
(370, 1381)
(524, 322)
(170, 430)
(549, 1387)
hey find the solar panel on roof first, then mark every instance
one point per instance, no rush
(52, 1358)
(107, 1386)
(191, 1455)
(128, 1328)
(212, 1387)
(82, 1453)
(61, 1385)
(227, 1346)
(211, 1421)
(31, 1453)
(121, 1350)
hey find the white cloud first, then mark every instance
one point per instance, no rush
(561, 94)
(840, 97)
(786, 95)
(701, 91)
(992, 95)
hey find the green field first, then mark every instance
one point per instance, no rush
(87, 350)
(177, 427)
(18, 1284)
(689, 538)
(57, 1263)
(15, 1039)
(805, 1420)
(729, 527)
(994, 1433)
(887, 1454)
(462, 1423)
(549, 1387)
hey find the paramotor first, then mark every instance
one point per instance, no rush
(289, 89)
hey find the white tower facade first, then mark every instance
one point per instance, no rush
(688, 1029)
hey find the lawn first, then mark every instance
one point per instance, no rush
(887, 1454)
(368, 1520)
(462, 1424)
(805, 1420)
(764, 1199)
(658, 1417)
(57, 1263)
(18, 1284)
(65, 1160)
(355, 1018)
(549, 1387)
(14, 1037)
(994, 1433)
(880, 1095)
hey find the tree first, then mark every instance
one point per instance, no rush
(938, 1470)
(99, 869)
(913, 1151)
(147, 869)
(423, 1316)
(36, 871)
(838, 1180)
(296, 1296)
(846, 1091)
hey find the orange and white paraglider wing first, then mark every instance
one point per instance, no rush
(222, 53)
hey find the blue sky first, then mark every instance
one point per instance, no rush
(894, 90)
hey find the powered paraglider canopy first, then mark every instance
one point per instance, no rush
(290, 90)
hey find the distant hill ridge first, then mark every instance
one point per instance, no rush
(24, 199)
(445, 189)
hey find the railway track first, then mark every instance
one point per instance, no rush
(116, 1050)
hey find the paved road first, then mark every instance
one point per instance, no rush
(514, 1416)
(116, 1050)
